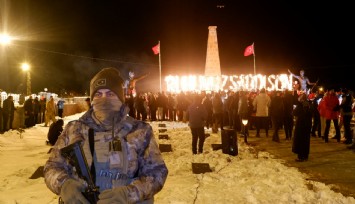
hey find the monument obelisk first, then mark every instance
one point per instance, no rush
(213, 66)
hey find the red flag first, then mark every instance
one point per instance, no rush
(249, 50)
(156, 49)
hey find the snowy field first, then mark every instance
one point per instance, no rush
(250, 177)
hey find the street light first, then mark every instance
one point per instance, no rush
(26, 68)
(5, 39)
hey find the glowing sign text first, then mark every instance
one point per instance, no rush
(249, 82)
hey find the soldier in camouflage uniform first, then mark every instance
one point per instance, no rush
(132, 173)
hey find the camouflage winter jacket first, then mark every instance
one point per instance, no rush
(140, 165)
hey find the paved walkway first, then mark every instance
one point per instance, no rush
(329, 163)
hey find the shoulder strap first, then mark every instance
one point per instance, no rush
(92, 150)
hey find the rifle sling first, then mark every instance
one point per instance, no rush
(92, 150)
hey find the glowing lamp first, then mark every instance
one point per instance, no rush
(245, 121)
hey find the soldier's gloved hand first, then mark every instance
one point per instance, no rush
(116, 195)
(71, 192)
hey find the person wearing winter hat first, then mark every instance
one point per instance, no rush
(122, 154)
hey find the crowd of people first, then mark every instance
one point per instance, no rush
(300, 113)
(264, 110)
(34, 111)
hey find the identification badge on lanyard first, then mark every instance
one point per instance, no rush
(115, 155)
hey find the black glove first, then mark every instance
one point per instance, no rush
(116, 195)
(71, 192)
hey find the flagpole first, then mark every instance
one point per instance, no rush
(254, 59)
(159, 67)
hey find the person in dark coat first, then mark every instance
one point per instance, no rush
(196, 115)
(302, 133)
(162, 104)
(228, 109)
(8, 113)
(141, 113)
(29, 112)
(207, 103)
(130, 103)
(277, 113)
(36, 110)
(316, 127)
(152, 103)
(60, 106)
(347, 114)
(217, 108)
(172, 106)
(54, 131)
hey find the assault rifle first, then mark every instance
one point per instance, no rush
(76, 157)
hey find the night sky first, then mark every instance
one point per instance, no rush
(68, 41)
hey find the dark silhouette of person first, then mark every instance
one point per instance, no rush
(8, 113)
(277, 113)
(60, 105)
(289, 99)
(36, 110)
(54, 131)
(29, 112)
(196, 114)
(303, 126)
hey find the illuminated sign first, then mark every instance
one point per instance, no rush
(176, 84)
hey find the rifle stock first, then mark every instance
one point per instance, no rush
(76, 157)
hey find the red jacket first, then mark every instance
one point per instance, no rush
(331, 101)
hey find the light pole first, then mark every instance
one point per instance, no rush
(26, 68)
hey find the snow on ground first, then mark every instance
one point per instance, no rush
(250, 177)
